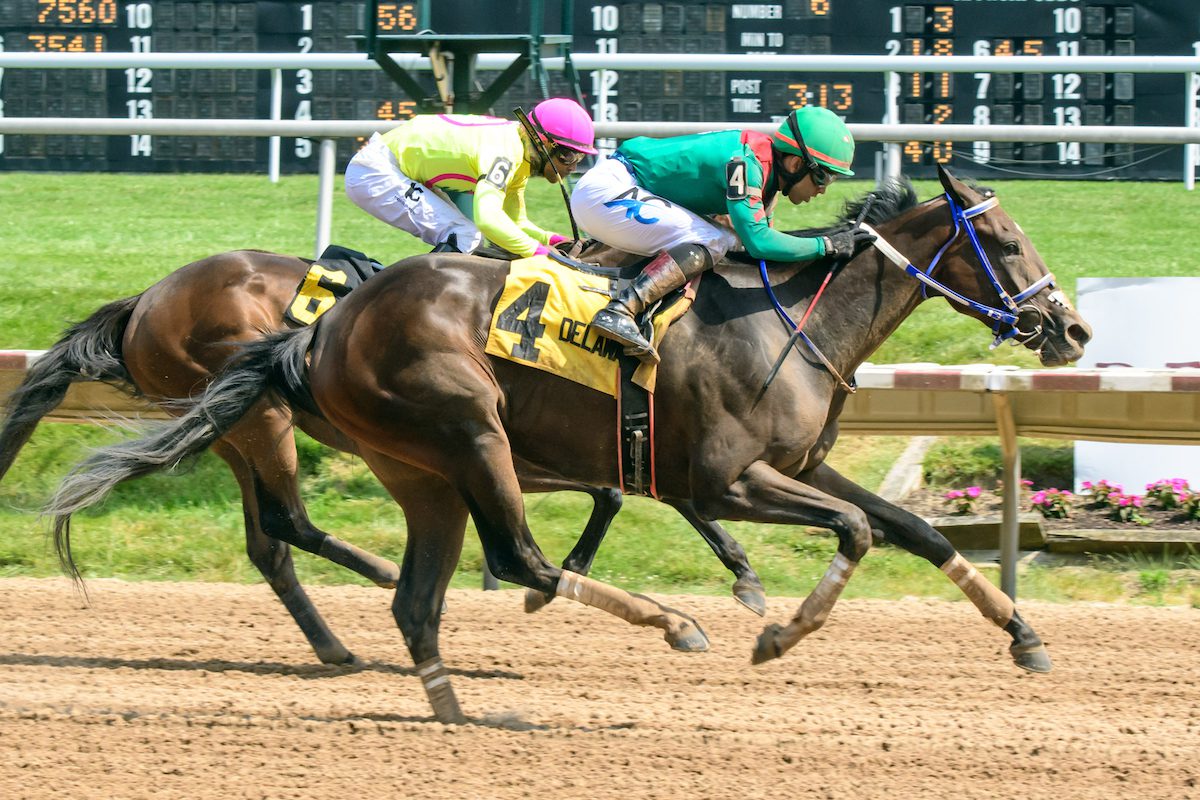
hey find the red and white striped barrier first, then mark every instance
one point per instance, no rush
(994, 378)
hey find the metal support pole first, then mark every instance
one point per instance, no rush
(276, 114)
(1010, 524)
(892, 117)
(325, 167)
(490, 584)
(1192, 121)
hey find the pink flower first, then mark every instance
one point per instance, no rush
(973, 491)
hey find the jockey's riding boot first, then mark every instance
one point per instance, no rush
(668, 271)
(450, 245)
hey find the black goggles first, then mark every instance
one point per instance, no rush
(566, 156)
(821, 176)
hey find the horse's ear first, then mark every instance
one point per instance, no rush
(954, 187)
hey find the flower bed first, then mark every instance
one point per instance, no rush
(1168, 503)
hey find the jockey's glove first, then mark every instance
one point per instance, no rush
(848, 243)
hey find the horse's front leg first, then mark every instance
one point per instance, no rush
(762, 494)
(907, 530)
(747, 589)
(605, 505)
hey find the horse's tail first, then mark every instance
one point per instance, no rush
(89, 351)
(273, 365)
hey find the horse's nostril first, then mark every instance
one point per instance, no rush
(1080, 332)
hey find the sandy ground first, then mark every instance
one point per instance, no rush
(208, 691)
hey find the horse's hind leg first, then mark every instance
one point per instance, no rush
(273, 558)
(448, 418)
(910, 532)
(265, 439)
(436, 519)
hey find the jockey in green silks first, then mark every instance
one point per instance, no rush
(654, 196)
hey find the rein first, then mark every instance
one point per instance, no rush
(1010, 314)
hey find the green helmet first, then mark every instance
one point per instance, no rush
(817, 133)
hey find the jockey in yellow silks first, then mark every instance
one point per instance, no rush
(454, 180)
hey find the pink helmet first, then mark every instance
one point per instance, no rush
(564, 122)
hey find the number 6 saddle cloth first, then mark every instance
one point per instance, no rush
(330, 278)
(542, 318)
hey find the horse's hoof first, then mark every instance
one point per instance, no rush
(339, 658)
(690, 639)
(536, 601)
(767, 647)
(1031, 658)
(752, 597)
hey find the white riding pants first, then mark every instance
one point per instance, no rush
(375, 184)
(611, 207)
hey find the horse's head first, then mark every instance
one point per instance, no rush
(999, 278)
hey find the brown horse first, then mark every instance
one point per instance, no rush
(167, 343)
(399, 368)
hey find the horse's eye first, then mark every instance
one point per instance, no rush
(1011, 249)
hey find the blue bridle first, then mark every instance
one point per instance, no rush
(1010, 313)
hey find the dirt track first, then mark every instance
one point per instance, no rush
(208, 691)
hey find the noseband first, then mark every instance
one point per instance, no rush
(1011, 313)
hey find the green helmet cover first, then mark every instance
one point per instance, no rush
(826, 138)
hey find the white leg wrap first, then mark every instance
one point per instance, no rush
(991, 602)
(436, 681)
(637, 609)
(816, 607)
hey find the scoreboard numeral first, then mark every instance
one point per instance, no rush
(140, 145)
(140, 109)
(138, 79)
(1066, 85)
(605, 18)
(1068, 152)
(139, 15)
(1067, 20)
(1068, 115)
(985, 80)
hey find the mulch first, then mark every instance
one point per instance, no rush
(928, 503)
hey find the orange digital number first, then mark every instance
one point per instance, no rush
(82, 12)
(819, 8)
(398, 109)
(396, 17)
(1033, 47)
(943, 19)
(913, 151)
(843, 96)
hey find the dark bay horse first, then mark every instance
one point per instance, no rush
(399, 368)
(167, 342)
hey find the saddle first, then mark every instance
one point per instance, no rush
(330, 278)
(541, 321)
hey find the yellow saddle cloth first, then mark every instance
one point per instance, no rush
(542, 319)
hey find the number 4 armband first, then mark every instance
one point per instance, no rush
(735, 179)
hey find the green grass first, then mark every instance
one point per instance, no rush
(74, 242)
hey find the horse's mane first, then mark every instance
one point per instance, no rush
(887, 201)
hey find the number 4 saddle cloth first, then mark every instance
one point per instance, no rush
(542, 318)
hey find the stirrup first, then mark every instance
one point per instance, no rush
(618, 325)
